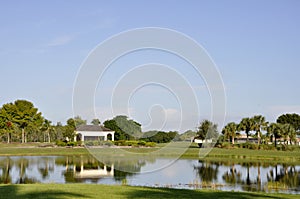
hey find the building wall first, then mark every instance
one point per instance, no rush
(95, 134)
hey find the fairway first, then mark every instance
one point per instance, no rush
(235, 154)
(65, 191)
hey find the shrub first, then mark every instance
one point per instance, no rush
(150, 144)
(226, 145)
(72, 144)
(108, 143)
(89, 143)
(120, 143)
(133, 143)
(60, 143)
(141, 143)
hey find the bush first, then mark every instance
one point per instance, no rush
(107, 143)
(141, 143)
(226, 145)
(72, 144)
(134, 143)
(150, 144)
(120, 143)
(60, 143)
(267, 147)
(89, 143)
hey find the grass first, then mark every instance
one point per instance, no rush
(173, 150)
(65, 191)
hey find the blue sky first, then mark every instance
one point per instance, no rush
(255, 45)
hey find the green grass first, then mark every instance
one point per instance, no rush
(172, 150)
(8, 151)
(64, 191)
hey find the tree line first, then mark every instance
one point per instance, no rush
(286, 128)
(21, 122)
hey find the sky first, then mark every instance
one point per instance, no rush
(254, 44)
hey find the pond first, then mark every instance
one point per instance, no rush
(183, 173)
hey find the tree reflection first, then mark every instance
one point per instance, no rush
(22, 164)
(232, 176)
(207, 171)
(45, 167)
(287, 177)
(5, 166)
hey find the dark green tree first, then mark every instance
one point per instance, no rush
(246, 125)
(79, 121)
(275, 130)
(125, 129)
(288, 133)
(48, 129)
(6, 120)
(96, 122)
(230, 130)
(25, 115)
(292, 119)
(259, 123)
(207, 130)
(119, 133)
(159, 136)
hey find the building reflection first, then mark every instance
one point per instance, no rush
(91, 171)
(87, 168)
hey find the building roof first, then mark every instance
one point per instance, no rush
(91, 128)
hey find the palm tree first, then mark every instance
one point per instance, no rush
(246, 125)
(230, 131)
(48, 128)
(259, 124)
(288, 132)
(275, 130)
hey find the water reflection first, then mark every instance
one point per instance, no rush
(254, 176)
(228, 175)
(207, 171)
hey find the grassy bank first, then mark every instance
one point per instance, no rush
(52, 191)
(172, 150)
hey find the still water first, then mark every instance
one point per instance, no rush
(183, 173)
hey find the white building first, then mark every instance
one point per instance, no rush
(93, 132)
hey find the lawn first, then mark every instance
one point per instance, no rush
(64, 191)
(171, 151)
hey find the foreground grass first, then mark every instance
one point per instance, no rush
(160, 151)
(64, 191)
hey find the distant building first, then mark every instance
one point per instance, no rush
(93, 132)
(243, 139)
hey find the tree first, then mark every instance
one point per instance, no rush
(259, 123)
(125, 129)
(288, 132)
(48, 128)
(246, 125)
(119, 133)
(207, 130)
(78, 121)
(275, 130)
(24, 115)
(6, 120)
(96, 122)
(69, 129)
(130, 127)
(159, 137)
(292, 119)
(230, 131)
